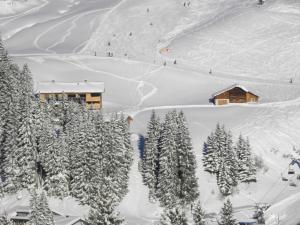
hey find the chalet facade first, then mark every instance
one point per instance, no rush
(88, 93)
(234, 94)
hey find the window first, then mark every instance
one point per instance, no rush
(95, 94)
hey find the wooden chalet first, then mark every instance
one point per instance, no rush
(88, 93)
(234, 94)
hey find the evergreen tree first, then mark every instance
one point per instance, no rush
(25, 155)
(224, 179)
(186, 168)
(40, 211)
(103, 210)
(54, 162)
(227, 214)
(209, 155)
(168, 180)
(84, 163)
(250, 165)
(198, 214)
(150, 163)
(246, 166)
(174, 216)
(230, 160)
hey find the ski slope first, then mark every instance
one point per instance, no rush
(258, 47)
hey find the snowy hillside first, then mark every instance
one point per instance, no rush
(241, 42)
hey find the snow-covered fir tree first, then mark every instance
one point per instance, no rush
(168, 180)
(198, 214)
(186, 162)
(168, 164)
(224, 179)
(25, 155)
(40, 211)
(209, 155)
(246, 168)
(54, 162)
(61, 146)
(231, 164)
(150, 163)
(103, 209)
(173, 216)
(227, 214)
(230, 160)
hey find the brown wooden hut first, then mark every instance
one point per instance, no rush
(234, 94)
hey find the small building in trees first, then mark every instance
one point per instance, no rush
(89, 93)
(20, 215)
(234, 94)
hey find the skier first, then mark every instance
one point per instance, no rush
(291, 80)
(148, 10)
(130, 34)
(95, 53)
(175, 62)
(165, 63)
(210, 71)
(108, 43)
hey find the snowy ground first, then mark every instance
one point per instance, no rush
(242, 43)
(9, 8)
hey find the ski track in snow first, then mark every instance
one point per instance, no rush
(69, 30)
(22, 14)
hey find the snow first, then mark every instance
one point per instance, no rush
(12, 7)
(254, 46)
(64, 87)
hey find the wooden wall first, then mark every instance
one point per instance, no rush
(235, 95)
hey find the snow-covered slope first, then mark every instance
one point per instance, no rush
(257, 47)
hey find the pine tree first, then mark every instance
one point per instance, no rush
(246, 166)
(25, 155)
(227, 214)
(250, 165)
(103, 210)
(224, 179)
(168, 180)
(9, 118)
(198, 214)
(54, 162)
(174, 216)
(186, 168)
(230, 160)
(84, 163)
(209, 155)
(150, 164)
(40, 211)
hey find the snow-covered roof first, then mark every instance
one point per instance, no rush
(70, 220)
(231, 87)
(64, 87)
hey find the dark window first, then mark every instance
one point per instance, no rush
(71, 95)
(95, 94)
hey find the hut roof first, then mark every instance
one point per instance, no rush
(64, 87)
(230, 88)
